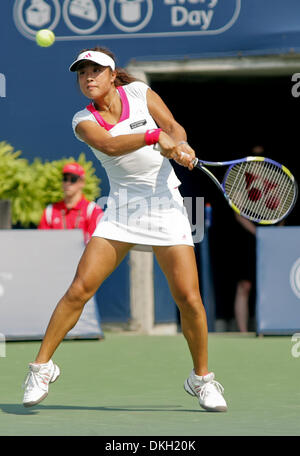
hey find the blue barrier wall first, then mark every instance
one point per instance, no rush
(278, 280)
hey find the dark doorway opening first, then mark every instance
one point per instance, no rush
(225, 117)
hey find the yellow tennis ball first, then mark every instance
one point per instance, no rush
(45, 38)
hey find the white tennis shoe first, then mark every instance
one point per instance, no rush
(208, 391)
(36, 384)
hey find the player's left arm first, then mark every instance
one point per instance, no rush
(166, 121)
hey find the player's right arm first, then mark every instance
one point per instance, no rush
(97, 137)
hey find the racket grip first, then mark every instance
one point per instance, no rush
(195, 161)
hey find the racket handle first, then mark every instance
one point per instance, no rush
(195, 161)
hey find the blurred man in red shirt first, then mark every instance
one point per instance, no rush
(74, 211)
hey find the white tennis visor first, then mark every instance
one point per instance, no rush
(94, 56)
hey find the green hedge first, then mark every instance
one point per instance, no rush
(31, 186)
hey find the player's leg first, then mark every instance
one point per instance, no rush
(179, 265)
(100, 258)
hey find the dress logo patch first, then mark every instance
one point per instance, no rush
(137, 124)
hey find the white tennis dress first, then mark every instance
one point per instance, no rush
(144, 206)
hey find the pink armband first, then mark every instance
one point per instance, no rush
(152, 136)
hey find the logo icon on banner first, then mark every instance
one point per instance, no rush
(84, 16)
(295, 278)
(84, 9)
(32, 15)
(100, 19)
(130, 15)
(38, 13)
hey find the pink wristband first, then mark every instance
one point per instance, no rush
(152, 136)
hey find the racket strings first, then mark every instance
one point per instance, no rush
(267, 174)
(261, 190)
(280, 192)
(265, 195)
(253, 200)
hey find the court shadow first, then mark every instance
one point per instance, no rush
(19, 409)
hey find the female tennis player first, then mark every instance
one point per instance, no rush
(122, 123)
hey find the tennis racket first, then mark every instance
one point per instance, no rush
(258, 188)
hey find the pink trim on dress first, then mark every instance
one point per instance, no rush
(124, 114)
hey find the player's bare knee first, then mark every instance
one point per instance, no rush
(79, 293)
(190, 304)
